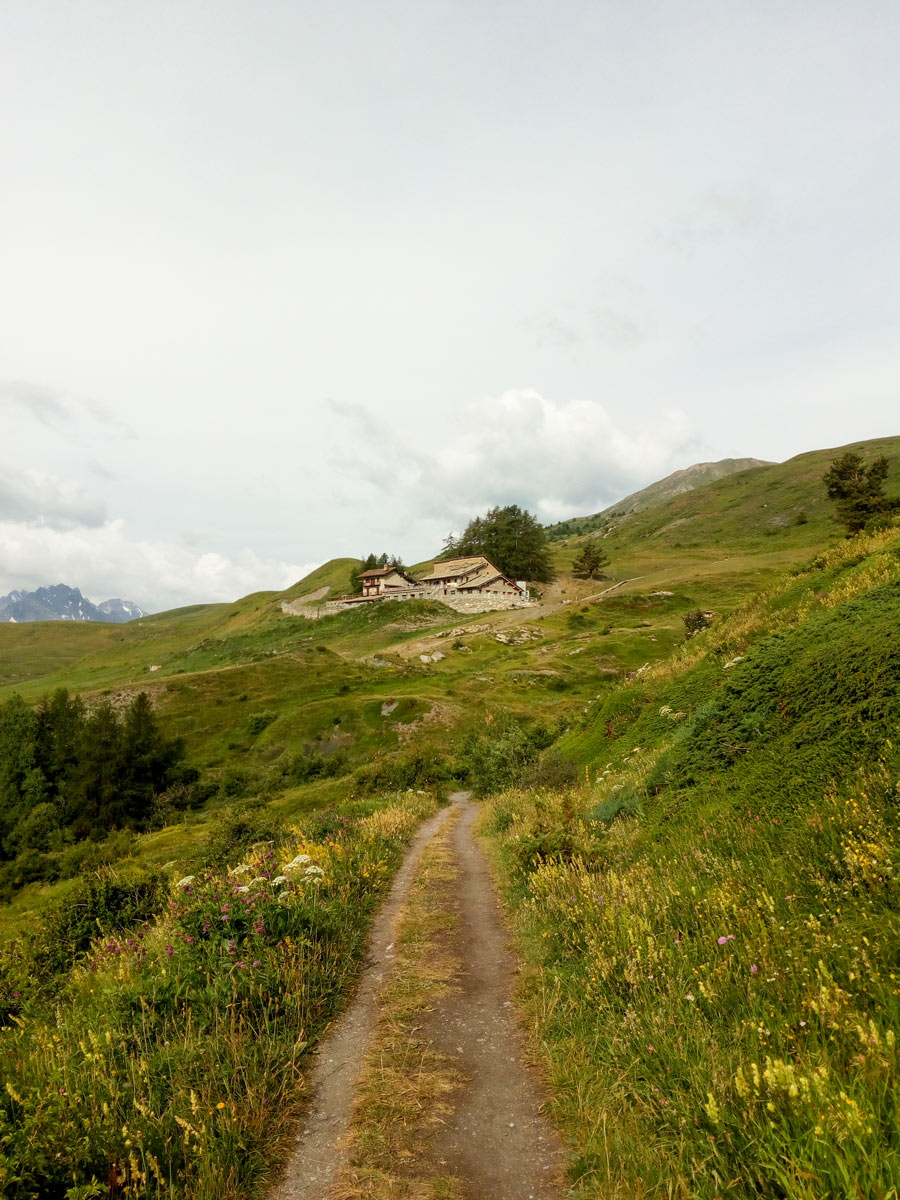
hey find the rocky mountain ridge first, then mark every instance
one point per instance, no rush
(63, 603)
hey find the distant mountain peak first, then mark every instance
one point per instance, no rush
(681, 481)
(59, 602)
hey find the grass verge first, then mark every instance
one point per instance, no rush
(405, 1083)
(168, 1064)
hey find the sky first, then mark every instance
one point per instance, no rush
(287, 281)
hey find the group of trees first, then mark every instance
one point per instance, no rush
(511, 538)
(859, 492)
(370, 563)
(67, 773)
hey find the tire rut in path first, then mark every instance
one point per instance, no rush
(316, 1158)
(497, 1140)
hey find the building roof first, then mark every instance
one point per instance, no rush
(485, 577)
(382, 571)
(454, 567)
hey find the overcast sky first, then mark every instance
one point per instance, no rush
(281, 281)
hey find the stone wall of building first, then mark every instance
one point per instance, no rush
(460, 604)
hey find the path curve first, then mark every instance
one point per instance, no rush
(316, 1158)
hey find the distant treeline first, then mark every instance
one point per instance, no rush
(69, 774)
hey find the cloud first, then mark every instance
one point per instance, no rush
(39, 402)
(718, 215)
(54, 410)
(555, 459)
(35, 497)
(106, 561)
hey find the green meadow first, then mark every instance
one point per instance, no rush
(697, 836)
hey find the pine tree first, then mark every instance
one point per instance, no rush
(590, 562)
(859, 491)
(511, 538)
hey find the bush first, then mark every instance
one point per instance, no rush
(695, 621)
(305, 767)
(492, 758)
(239, 829)
(551, 771)
(260, 721)
(417, 769)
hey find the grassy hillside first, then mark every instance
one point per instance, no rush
(743, 744)
(782, 507)
(714, 919)
(660, 492)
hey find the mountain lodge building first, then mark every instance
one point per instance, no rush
(385, 581)
(468, 577)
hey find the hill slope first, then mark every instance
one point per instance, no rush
(713, 921)
(685, 480)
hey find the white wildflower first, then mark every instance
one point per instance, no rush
(313, 870)
(278, 880)
(257, 880)
(188, 879)
(299, 860)
(241, 870)
(242, 889)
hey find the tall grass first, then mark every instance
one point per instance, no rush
(719, 1014)
(169, 1063)
(715, 920)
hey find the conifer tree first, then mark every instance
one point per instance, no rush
(511, 538)
(590, 563)
(859, 491)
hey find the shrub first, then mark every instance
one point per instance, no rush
(695, 621)
(259, 721)
(497, 755)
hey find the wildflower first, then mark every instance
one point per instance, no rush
(242, 889)
(278, 880)
(241, 870)
(299, 860)
(221, 1104)
(754, 969)
(188, 879)
(257, 963)
(170, 950)
(314, 872)
(728, 937)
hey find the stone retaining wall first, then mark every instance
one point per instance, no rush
(460, 604)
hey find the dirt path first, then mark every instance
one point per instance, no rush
(488, 1135)
(497, 1140)
(316, 1158)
